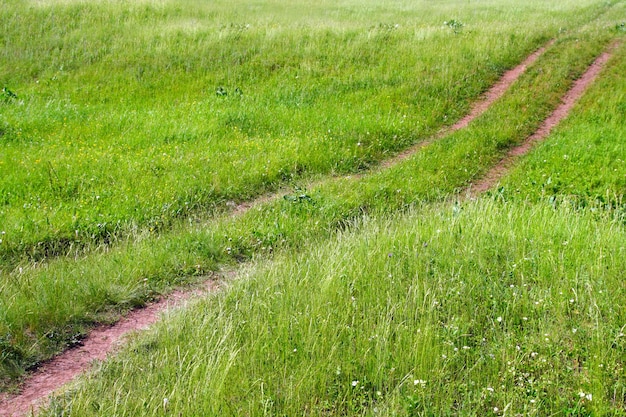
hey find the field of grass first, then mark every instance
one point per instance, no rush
(47, 305)
(368, 294)
(130, 115)
(481, 309)
(492, 307)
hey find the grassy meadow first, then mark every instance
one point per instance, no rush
(488, 307)
(130, 115)
(129, 129)
(479, 309)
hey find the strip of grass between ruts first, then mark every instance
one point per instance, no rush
(44, 308)
(117, 126)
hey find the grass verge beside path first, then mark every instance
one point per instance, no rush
(477, 310)
(44, 308)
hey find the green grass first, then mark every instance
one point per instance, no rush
(44, 307)
(117, 125)
(486, 308)
(584, 162)
(494, 306)
(125, 159)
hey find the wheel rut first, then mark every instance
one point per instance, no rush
(62, 369)
(493, 176)
(484, 102)
(495, 92)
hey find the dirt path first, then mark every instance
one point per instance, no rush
(488, 98)
(62, 369)
(567, 102)
(495, 92)
(55, 373)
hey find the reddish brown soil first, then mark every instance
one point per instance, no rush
(52, 375)
(567, 102)
(55, 373)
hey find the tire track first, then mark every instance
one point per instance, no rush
(62, 369)
(495, 92)
(495, 174)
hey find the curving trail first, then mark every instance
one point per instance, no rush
(62, 369)
(488, 98)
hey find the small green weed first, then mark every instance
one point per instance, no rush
(7, 95)
(299, 196)
(455, 25)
